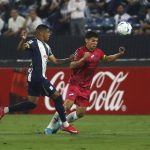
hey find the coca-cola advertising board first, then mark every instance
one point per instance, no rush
(116, 90)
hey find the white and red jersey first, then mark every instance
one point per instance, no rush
(82, 76)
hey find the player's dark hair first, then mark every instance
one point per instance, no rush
(42, 27)
(91, 34)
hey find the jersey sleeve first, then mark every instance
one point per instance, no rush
(49, 51)
(102, 55)
(29, 42)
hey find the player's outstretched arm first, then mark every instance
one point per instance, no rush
(56, 61)
(22, 44)
(78, 63)
(113, 57)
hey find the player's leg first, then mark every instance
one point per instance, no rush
(50, 91)
(75, 115)
(61, 111)
(72, 93)
(34, 93)
(72, 97)
(23, 106)
(57, 99)
(67, 105)
(81, 105)
(55, 122)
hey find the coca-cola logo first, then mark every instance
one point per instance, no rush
(110, 99)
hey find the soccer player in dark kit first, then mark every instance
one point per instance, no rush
(38, 84)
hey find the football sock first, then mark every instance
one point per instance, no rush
(65, 124)
(22, 106)
(54, 119)
(72, 117)
(60, 108)
(6, 110)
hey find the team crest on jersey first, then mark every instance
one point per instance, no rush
(71, 94)
(92, 56)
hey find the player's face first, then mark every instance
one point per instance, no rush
(91, 43)
(46, 34)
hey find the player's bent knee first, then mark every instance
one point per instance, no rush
(33, 99)
(81, 112)
(67, 108)
(68, 104)
(80, 115)
(55, 95)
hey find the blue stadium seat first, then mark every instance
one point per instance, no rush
(94, 24)
(108, 24)
(134, 21)
(100, 24)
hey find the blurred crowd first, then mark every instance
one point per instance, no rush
(73, 17)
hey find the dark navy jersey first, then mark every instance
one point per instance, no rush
(39, 53)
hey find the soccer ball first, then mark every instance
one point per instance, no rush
(124, 28)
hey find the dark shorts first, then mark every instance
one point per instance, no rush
(43, 88)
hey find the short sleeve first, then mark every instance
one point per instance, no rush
(30, 42)
(50, 52)
(102, 55)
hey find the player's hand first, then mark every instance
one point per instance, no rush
(86, 55)
(24, 34)
(122, 50)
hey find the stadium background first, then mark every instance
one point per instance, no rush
(121, 87)
(135, 64)
(119, 125)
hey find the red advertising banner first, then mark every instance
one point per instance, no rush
(114, 90)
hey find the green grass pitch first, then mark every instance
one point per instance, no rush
(99, 132)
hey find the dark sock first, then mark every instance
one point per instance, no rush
(23, 106)
(60, 108)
